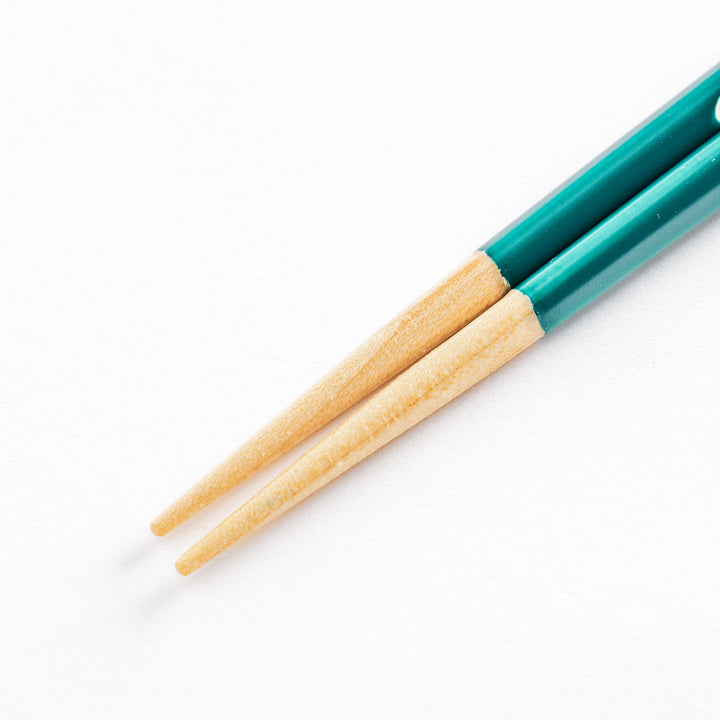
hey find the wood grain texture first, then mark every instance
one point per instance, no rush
(437, 315)
(488, 342)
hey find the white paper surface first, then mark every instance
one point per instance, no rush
(205, 207)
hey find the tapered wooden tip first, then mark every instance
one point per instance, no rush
(204, 550)
(158, 527)
(481, 347)
(233, 470)
(184, 566)
(437, 315)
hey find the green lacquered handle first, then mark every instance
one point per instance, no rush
(609, 181)
(658, 216)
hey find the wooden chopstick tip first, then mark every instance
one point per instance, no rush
(197, 556)
(159, 526)
(156, 529)
(185, 566)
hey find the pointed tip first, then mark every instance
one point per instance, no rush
(159, 528)
(189, 562)
(183, 567)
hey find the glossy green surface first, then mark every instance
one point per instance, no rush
(609, 181)
(658, 216)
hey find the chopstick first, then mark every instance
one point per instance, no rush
(470, 290)
(572, 210)
(659, 215)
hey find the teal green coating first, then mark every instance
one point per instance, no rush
(609, 181)
(658, 216)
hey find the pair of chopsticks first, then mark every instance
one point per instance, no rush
(639, 196)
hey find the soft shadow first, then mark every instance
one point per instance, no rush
(139, 552)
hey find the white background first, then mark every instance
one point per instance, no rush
(207, 205)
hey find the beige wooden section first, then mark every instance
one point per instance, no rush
(440, 313)
(488, 342)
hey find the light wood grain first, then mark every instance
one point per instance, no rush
(437, 315)
(472, 354)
